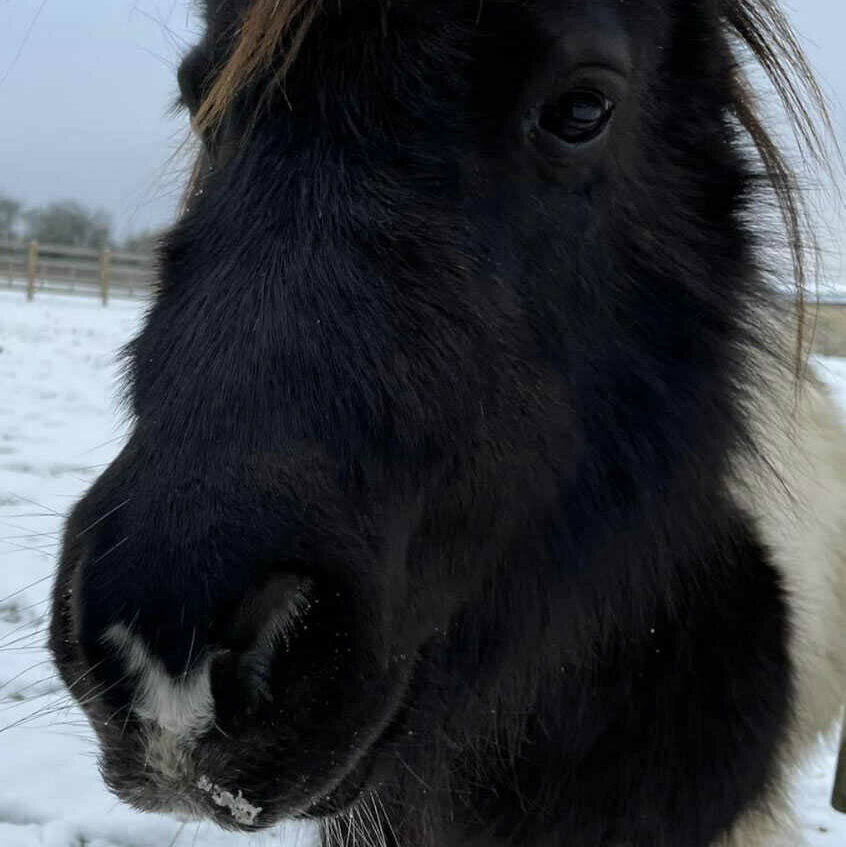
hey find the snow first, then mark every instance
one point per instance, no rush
(239, 807)
(60, 424)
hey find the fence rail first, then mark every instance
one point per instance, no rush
(56, 268)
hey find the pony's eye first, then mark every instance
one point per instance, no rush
(577, 117)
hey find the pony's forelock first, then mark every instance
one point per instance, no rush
(267, 40)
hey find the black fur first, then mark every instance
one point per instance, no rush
(486, 404)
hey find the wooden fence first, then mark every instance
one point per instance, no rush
(33, 267)
(827, 321)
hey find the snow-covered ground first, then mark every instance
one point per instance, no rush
(59, 425)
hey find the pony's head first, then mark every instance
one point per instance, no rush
(454, 305)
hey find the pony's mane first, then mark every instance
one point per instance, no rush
(765, 32)
(271, 33)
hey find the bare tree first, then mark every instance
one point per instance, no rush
(10, 210)
(68, 222)
(145, 241)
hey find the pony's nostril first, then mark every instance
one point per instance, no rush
(229, 676)
(267, 616)
(264, 623)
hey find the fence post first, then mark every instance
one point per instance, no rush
(105, 266)
(838, 795)
(31, 269)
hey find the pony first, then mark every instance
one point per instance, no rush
(478, 493)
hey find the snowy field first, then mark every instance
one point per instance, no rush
(59, 426)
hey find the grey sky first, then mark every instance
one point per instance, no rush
(84, 108)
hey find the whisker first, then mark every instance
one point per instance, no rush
(129, 711)
(50, 511)
(413, 773)
(29, 535)
(104, 444)
(6, 643)
(190, 653)
(103, 517)
(25, 588)
(111, 550)
(30, 548)
(26, 719)
(37, 682)
(40, 602)
(27, 624)
(177, 834)
(84, 674)
(63, 703)
(377, 798)
(32, 648)
(57, 703)
(23, 672)
(28, 516)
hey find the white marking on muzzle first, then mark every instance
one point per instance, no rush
(183, 705)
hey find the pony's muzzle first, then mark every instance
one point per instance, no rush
(169, 663)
